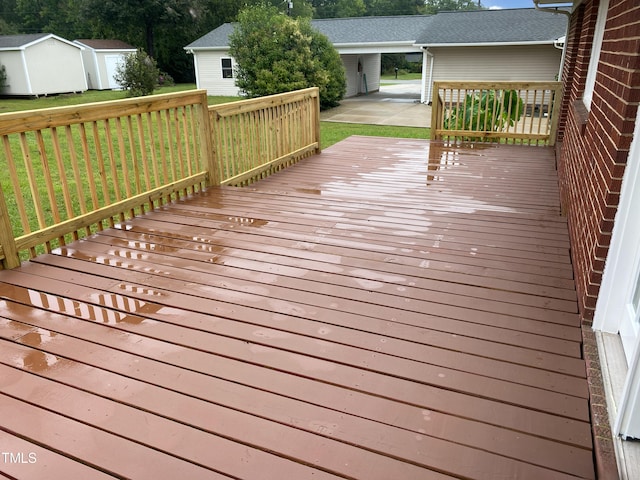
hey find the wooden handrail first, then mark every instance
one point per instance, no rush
(71, 169)
(514, 112)
(254, 138)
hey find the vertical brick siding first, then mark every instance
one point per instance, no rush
(595, 147)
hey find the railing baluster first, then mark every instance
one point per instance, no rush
(18, 196)
(96, 168)
(64, 184)
(260, 136)
(478, 118)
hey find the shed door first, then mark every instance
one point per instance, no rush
(111, 62)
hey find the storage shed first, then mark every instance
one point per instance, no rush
(41, 64)
(101, 58)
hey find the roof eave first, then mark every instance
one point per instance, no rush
(485, 44)
(406, 43)
(106, 50)
(204, 49)
(46, 37)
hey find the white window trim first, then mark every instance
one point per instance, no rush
(223, 68)
(598, 36)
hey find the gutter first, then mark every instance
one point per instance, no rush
(425, 96)
(487, 44)
(556, 11)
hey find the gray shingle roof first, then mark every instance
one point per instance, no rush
(484, 26)
(404, 28)
(218, 38)
(340, 31)
(17, 41)
(494, 26)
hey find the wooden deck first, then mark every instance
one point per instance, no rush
(364, 314)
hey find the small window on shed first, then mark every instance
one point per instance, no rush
(227, 68)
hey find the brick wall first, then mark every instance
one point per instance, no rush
(595, 144)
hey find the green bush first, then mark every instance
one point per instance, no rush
(138, 74)
(276, 54)
(335, 87)
(3, 77)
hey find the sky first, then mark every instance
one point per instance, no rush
(507, 3)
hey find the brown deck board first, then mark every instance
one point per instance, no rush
(360, 315)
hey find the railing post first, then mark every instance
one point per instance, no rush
(435, 110)
(316, 119)
(7, 240)
(207, 150)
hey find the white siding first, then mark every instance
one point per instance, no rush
(351, 69)
(371, 68)
(55, 67)
(91, 69)
(17, 82)
(501, 63)
(209, 73)
(355, 80)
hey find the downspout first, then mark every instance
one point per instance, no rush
(195, 67)
(425, 95)
(556, 11)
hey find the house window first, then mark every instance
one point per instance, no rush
(227, 68)
(595, 53)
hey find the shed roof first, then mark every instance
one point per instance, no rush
(524, 25)
(105, 44)
(16, 42)
(217, 38)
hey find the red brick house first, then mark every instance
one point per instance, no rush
(598, 165)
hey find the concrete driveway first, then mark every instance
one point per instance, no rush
(397, 103)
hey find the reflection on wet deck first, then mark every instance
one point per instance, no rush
(387, 309)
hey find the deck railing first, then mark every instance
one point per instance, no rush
(70, 170)
(512, 112)
(253, 138)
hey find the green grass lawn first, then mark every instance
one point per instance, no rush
(9, 104)
(333, 132)
(401, 76)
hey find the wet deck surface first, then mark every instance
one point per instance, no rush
(361, 315)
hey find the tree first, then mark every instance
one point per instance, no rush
(394, 7)
(138, 74)
(435, 6)
(338, 8)
(161, 27)
(276, 53)
(325, 53)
